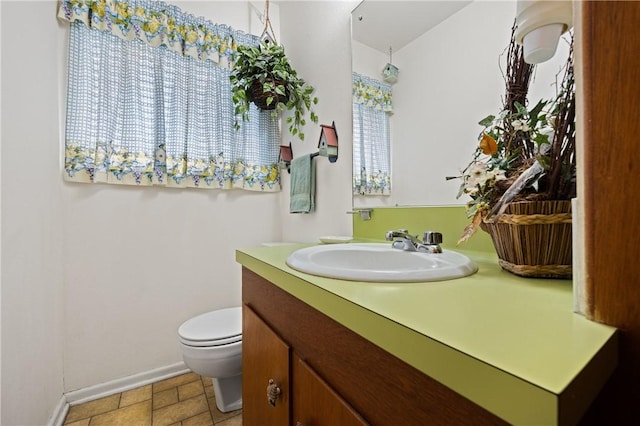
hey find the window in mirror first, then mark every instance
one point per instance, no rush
(372, 107)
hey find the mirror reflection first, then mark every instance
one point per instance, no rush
(448, 56)
(372, 109)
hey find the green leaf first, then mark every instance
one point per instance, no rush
(263, 63)
(487, 121)
(544, 161)
(536, 109)
(541, 139)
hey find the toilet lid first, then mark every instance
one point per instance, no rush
(215, 328)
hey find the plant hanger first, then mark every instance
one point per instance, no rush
(262, 75)
(268, 35)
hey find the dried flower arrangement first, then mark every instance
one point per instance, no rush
(523, 154)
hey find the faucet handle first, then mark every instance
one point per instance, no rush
(398, 233)
(432, 237)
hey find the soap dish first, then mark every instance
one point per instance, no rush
(335, 239)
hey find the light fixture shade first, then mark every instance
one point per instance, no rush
(540, 23)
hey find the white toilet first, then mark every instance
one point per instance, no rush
(211, 346)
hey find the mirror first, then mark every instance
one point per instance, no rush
(449, 57)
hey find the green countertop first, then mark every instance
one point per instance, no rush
(511, 345)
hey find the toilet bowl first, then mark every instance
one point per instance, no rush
(211, 346)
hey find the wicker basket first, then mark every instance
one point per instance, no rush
(259, 97)
(533, 238)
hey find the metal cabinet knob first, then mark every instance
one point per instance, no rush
(273, 392)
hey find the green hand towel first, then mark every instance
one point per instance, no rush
(303, 185)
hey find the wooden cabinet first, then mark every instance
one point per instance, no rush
(315, 402)
(331, 375)
(279, 388)
(265, 361)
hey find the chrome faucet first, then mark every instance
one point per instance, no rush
(402, 240)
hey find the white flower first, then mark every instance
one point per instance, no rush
(496, 174)
(477, 170)
(479, 178)
(520, 125)
(476, 177)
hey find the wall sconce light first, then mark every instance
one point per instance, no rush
(540, 25)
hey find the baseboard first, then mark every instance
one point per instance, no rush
(124, 384)
(59, 413)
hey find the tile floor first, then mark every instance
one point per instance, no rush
(185, 400)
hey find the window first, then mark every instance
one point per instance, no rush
(149, 101)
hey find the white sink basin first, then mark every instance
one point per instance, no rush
(379, 263)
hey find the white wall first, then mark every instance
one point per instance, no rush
(140, 261)
(32, 209)
(0, 223)
(449, 80)
(100, 277)
(96, 279)
(367, 60)
(316, 38)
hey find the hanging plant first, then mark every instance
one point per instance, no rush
(264, 76)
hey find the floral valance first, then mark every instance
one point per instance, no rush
(374, 183)
(157, 23)
(107, 164)
(371, 92)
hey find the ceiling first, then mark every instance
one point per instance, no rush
(383, 24)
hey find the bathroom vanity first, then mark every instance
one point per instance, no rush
(491, 348)
(274, 365)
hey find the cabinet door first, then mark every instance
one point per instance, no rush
(265, 366)
(315, 403)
